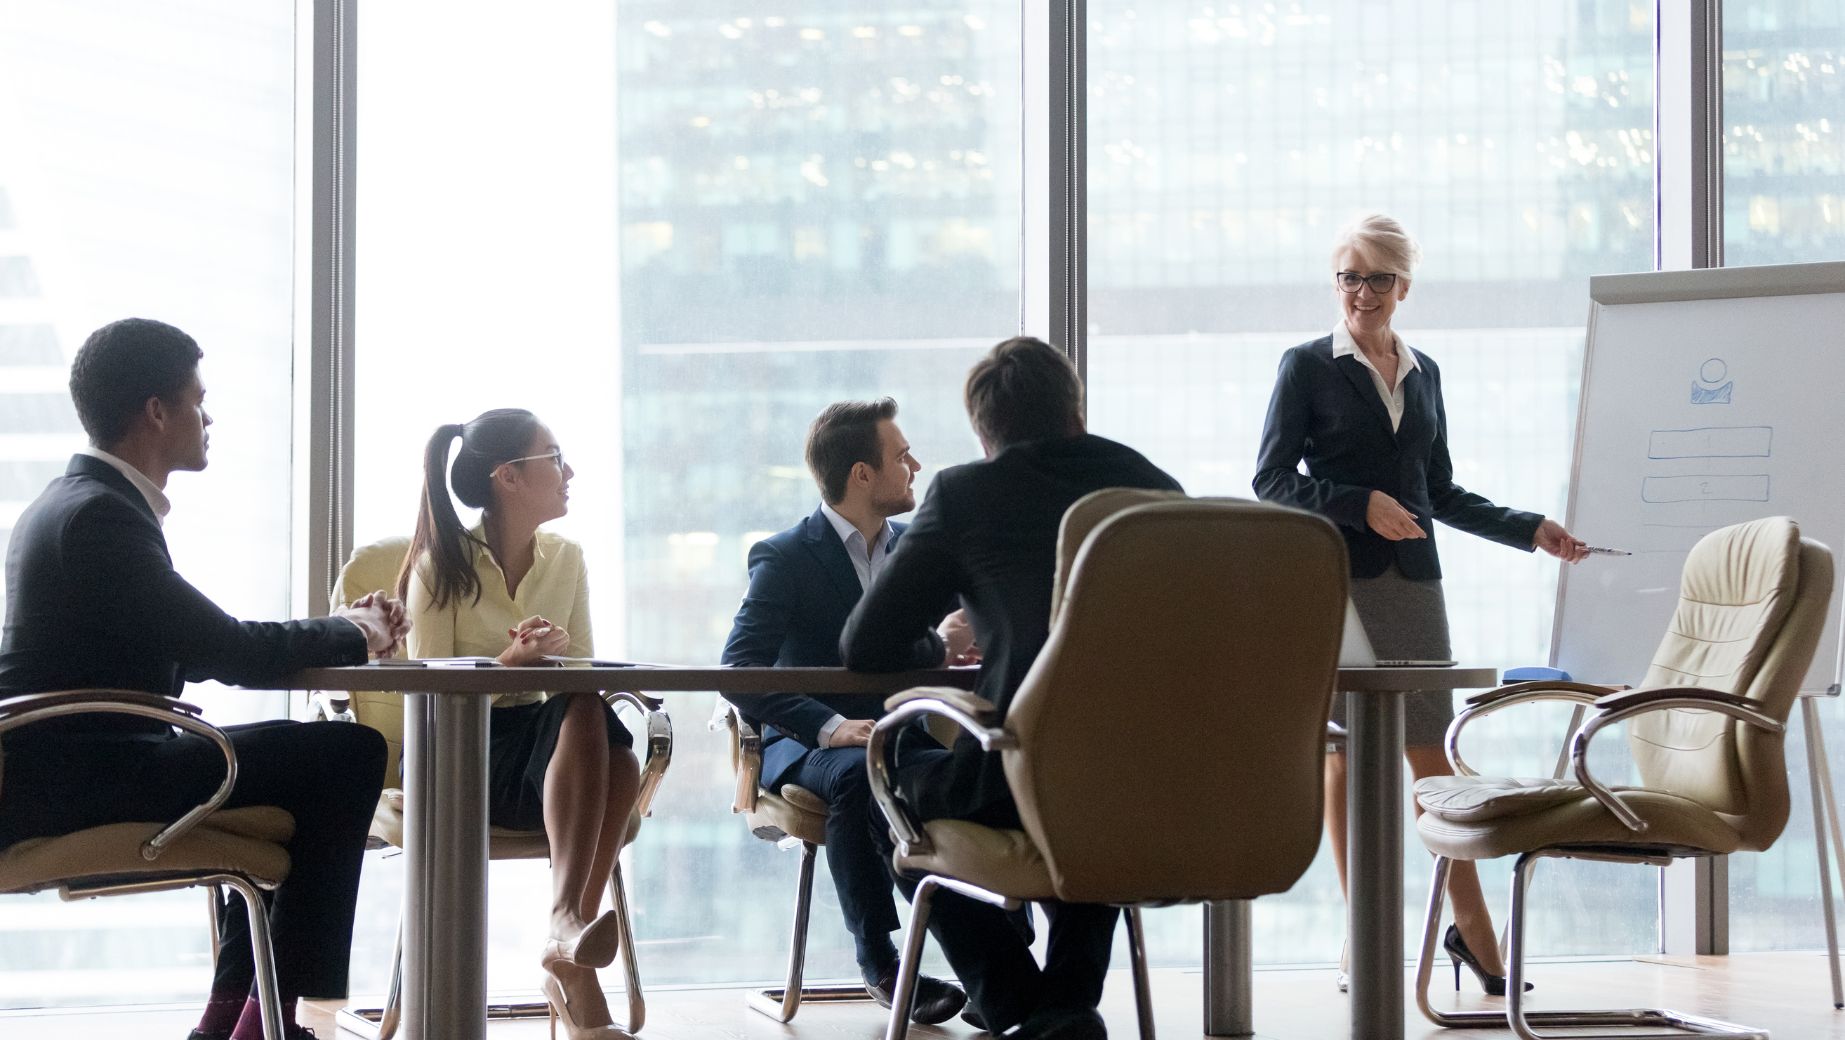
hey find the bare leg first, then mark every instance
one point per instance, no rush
(623, 788)
(576, 802)
(1335, 810)
(1471, 916)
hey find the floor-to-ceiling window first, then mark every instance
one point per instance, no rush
(676, 233)
(1228, 144)
(1784, 202)
(147, 169)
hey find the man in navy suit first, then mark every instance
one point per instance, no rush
(804, 583)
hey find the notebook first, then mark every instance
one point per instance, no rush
(1355, 648)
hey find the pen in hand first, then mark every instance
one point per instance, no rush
(1598, 550)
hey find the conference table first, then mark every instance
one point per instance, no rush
(444, 990)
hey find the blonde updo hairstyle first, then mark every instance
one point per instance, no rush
(1383, 244)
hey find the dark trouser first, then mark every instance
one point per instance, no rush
(860, 872)
(984, 945)
(326, 775)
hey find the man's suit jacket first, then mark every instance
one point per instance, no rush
(987, 534)
(92, 600)
(1326, 410)
(802, 588)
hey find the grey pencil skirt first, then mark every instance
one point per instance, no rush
(1407, 620)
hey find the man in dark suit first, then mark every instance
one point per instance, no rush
(93, 601)
(987, 536)
(803, 584)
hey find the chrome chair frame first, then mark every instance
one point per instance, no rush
(381, 1023)
(29, 708)
(977, 719)
(1609, 710)
(781, 1002)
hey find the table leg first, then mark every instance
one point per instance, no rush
(1374, 858)
(1228, 985)
(445, 857)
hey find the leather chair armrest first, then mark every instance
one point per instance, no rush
(745, 755)
(967, 710)
(1485, 703)
(659, 726)
(1619, 707)
(26, 709)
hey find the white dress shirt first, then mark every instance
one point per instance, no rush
(867, 561)
(1344, 344)
(156, 498)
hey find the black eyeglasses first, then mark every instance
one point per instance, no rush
(1352, 281)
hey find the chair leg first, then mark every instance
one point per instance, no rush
(214, 912)
(782, 1003)
(1137, 956)
(268, 991)
(1659, 1023)
(1825, 825)
(630, 960)
(903, 1001)
(1431, 927)
(381, 1023)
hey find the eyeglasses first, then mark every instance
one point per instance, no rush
(555, 455)
(1352, 281)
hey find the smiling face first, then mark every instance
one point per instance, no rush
(1367, 312)
(537, 484)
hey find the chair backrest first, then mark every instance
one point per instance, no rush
(373, 568)
(1752, 603)
(1172, 731)
(1082, 517)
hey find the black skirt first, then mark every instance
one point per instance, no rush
(519, 746)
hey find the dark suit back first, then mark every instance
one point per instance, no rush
(1326, 410)
(987, 534)
(802, 589)
(92, 600)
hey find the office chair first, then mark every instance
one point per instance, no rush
(1707, 733)
(1187, 676)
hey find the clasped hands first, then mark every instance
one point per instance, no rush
(381, 618)
(533, 639)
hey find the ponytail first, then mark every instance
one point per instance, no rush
(489, 440)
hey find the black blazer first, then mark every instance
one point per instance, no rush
(986, 533)
(802, 588)
(92, 600)
(1326, 410)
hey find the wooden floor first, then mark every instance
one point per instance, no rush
(1786, 993)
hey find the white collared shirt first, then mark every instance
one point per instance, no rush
(1344, 344)
(156, 498)
(867, 561)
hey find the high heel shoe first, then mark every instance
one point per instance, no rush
(594, 947)
(560, 1009)
(1459, 954)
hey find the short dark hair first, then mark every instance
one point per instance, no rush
(123, 364)
(1024, 390)
(843, 435)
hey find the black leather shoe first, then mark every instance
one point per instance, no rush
(936, 1001)
(971, 1015)
(1063, 1024)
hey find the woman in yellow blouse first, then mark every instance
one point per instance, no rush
(506, 589)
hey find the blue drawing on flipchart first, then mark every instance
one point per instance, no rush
(1712, 385)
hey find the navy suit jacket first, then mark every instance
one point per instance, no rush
(92, 600)
(802, 589)
(986, 534)
(1326, 410)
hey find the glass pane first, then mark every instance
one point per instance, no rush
(1227, 146)
(148, 169)
(676, 235)
(1784, 147)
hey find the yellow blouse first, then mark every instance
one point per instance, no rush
(556, 588)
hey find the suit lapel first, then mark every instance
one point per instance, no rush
(824, 543)
(1360, 377)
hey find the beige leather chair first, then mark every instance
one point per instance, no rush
(1706, 734)
(792, 818)
(373, 567)
(240, 849)
(1191, 663)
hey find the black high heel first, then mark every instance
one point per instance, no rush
(1459, 954)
